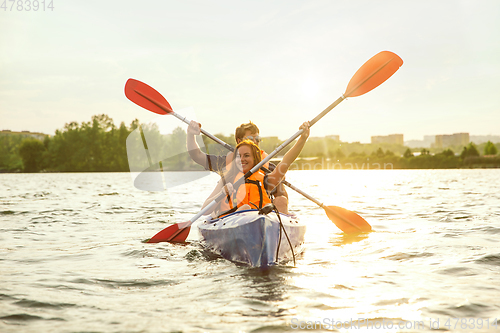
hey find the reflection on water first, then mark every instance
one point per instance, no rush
(73, 257)
(348, 239)
(267, 286)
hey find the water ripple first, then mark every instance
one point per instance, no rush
(74, 254)
(408, 256)
(36, 304)
(491, 259)
(114, 284)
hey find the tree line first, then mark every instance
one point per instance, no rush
(100, 146)
(97, 145)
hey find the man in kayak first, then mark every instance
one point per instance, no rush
(248, 131)
(252, 194)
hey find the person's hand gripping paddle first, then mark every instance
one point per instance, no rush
(369, 76)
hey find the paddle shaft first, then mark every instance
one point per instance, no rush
(255, 168)
(284, 182)
(222, 195)
(328, 109)
(240, 181)
(303, 193)
(184, 119)
(231, 148)
(369, 76)
(265, 160)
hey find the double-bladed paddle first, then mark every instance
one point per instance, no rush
(373, 73)
(139, 93)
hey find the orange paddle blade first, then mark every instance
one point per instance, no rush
(146, 97)
(346, 220)
(175, 233)
(373, 73)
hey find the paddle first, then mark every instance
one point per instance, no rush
(138, 92)
(147, 97)
(346, 220)
(373, 73)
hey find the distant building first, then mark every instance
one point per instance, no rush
(427, 142)
(317, 138)
(333, 137)
(478, 139)
(26, 134)
(393, 138)
(415, 144)
(447, 140)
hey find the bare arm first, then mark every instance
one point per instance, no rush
(192, 146)
(279, 172)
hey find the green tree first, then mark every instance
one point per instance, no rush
(339, 154)
(176, 147)
(353, 154)
(134, 125)
(31, 152)
(490, 149)
(408, 153)
(90, 146)
(379, 153)
(121, 148)
(447, 153)
(469, 151)
(9, 152)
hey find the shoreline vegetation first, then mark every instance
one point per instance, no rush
(100, 146)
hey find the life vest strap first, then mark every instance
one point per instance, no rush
(229, 201)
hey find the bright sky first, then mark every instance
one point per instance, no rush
(277, 63)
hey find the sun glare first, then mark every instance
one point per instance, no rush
(310, 88)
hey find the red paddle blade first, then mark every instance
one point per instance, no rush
(175, 233)
(373, 73)
(146, 97)
(346, 220)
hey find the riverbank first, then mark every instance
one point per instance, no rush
(424, 162)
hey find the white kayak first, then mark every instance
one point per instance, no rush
(251, 238)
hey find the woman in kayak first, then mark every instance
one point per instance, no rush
(254, 193)
(248, 131)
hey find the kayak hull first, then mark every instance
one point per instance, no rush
(253, 239)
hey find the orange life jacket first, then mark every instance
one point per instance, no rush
(252, 193)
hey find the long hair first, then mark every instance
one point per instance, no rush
(256, 152)
(232, 171)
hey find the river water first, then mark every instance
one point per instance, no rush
(73, 257)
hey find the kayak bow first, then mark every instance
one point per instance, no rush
(251, 238)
